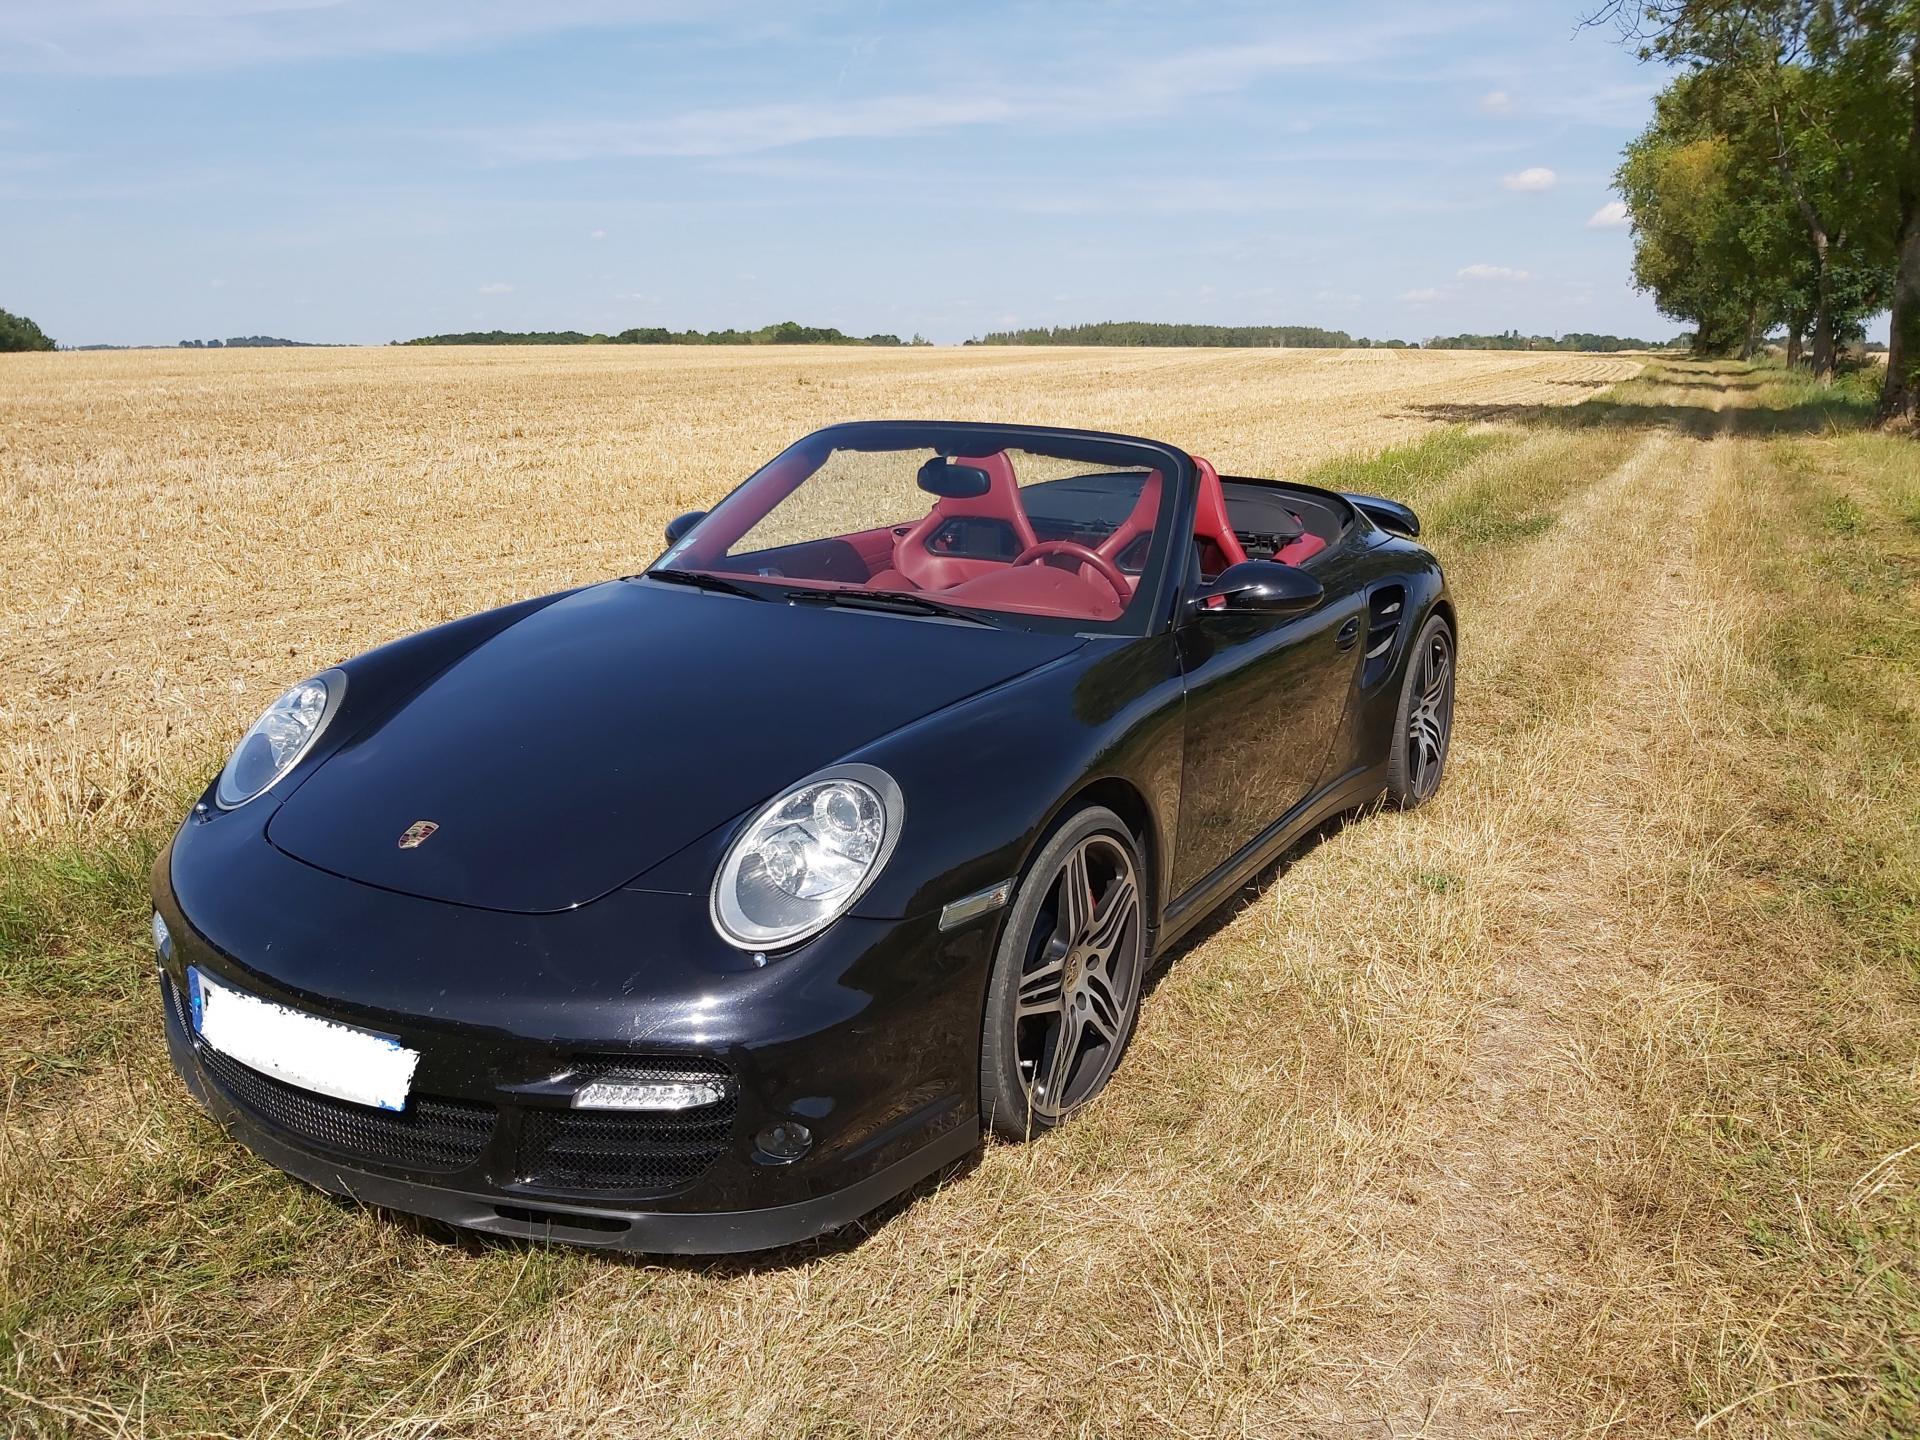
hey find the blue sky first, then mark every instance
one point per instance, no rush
(366, 170)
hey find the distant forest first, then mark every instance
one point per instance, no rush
(785, 333)
(1572, 340)
(251, 342)
(1303, 337)
(1146, 332)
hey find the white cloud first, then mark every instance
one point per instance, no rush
(1496, 102)
(496, 287)
(598, 235)
(1491, 272)
(1159, 85)
(153, 37)
(743, 129)
(1422, 297)
(1537, 177)
(1610, 216)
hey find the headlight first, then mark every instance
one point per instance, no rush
(279, 738)
(802, 862)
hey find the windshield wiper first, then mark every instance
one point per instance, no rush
(701, 580)
(894, 600)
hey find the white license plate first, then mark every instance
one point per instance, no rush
(304, 1050)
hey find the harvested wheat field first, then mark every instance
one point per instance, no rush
(1585, 1100)
(189, 532)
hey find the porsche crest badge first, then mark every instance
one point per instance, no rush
(417, 834)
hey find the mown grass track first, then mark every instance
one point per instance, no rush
(1581, 1102)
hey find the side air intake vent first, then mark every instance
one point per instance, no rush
(1386, 608)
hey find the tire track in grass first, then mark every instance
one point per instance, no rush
(1207, 1224)
(1561, 693)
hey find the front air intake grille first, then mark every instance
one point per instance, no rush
(430, 1134)
(627, 1150)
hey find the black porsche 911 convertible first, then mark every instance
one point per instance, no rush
(709, 908)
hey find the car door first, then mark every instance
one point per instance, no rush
(1266, 696)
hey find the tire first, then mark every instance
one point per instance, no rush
(1423, 725)
(1064, 971)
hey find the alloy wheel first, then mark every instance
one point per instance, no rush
(1081, 980)
(1430, 717)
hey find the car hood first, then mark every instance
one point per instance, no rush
(586, 743)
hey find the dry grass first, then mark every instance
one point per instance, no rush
(1583, 1101)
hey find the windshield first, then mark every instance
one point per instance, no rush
(1044, 526)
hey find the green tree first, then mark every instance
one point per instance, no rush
(17, 332)
(1721, 230)
(1839, 82)
(1880, 50)
(1677, 192)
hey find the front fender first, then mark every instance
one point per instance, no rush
(986, 780)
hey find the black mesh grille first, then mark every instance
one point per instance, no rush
(429, 1134)
(624, 1149)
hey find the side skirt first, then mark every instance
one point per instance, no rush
(1355, 788)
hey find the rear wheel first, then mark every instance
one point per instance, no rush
(1424, 728)
(1066, 978)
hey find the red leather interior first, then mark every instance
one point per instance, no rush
(924, 569)
(1139, 520)
(1220, 547)
(1039, 590)
(1046, 589)
(874, 547)
(1301, 548)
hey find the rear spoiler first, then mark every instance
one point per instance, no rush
(1387, 514)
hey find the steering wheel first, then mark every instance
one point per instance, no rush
(1107, 570)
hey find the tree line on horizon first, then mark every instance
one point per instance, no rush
(248, 342)
(1572, 340)
(787, 332)
(1149, 332)
(19, 333)
(1777, 188)
(1303, 337)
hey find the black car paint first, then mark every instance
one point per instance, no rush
(870, 1032)
(538, 752)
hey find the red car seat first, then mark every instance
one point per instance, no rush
(1219, 546)
(1213, 533)
(1139, 520)
(917, 567)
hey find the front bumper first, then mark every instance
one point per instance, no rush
(870, 1042)
(608, 1226)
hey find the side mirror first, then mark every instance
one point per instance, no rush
(1264, 585)
(680, 524)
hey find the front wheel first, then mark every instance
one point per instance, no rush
(1424, 726)
(1066, 978)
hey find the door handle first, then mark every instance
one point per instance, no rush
(1349, 633)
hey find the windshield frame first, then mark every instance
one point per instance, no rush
(1152, 606)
